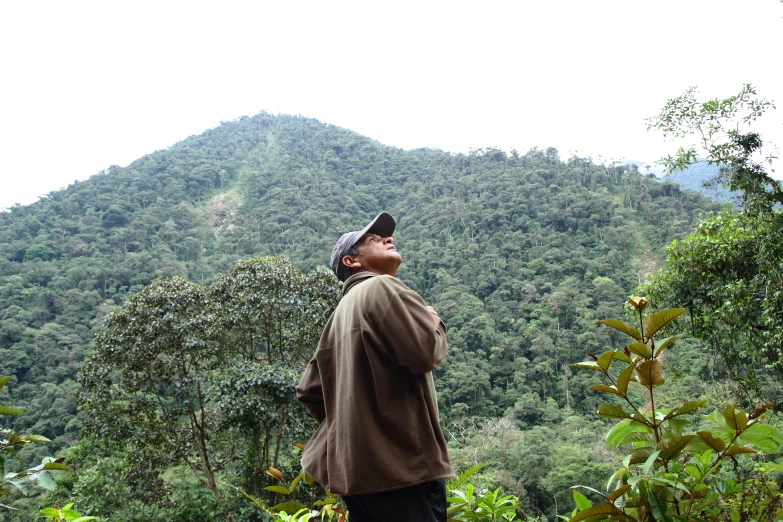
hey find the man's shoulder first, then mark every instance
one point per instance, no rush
(387, 282)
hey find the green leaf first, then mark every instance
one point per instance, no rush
(639, 456)
(672, 447)
(69, 514)
(34, 438)
(648, 437)
(277, 489)
(776, 467)
(735, 417)
(290, 506)
(612, 411)
(618, 432)
(615, 476)
(605, 359)
(617, 493)
(625, 429)
(763, 436)
(712, 441)
(736, 449)
(624, 378)
(660, 319)
(588, 488)
(605, 388)
(641, 419)
(664, 344)
(4, 381)
(589, 365)
(640, 349)
(45, 480)
(688, 407)
(10, 410)
(649, 373)
(581, 501)
(694, 472)
(294, 482)
(622, 326)
(650, 461)
(657, 508)
(58, 466)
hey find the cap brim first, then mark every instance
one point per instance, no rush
(383, 225)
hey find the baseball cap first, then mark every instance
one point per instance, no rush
(383, 225)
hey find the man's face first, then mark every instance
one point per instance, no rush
(376, 254)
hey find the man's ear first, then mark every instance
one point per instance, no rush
(351, 262)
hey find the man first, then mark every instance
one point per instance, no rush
(370, 386)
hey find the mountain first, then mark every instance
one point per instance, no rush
(520, 254)
(694, 177)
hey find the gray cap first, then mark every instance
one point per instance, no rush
(383, 225)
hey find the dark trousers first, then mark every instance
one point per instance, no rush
(422, 503)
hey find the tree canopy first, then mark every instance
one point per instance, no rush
(728, 271)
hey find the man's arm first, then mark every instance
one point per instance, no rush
(309, 391)
(415, 334)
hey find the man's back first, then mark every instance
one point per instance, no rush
(369, 385)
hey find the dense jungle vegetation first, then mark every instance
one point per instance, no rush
(521, 255)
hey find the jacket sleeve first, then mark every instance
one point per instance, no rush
(309, 391)
(414, 337)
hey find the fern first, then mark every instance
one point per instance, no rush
(461, 479)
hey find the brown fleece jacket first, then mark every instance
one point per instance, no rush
(368, 386)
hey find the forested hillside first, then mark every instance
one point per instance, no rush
(521, 254)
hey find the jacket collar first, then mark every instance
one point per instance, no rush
(356, 279)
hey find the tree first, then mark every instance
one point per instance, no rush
(727, 273)
(183, 372)
(717, 125)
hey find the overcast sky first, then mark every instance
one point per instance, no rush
(86, 85)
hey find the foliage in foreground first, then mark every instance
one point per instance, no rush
(15, 483)
(670, 473)
(467, 501)
(65, 514)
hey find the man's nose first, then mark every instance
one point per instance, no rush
(388, 239)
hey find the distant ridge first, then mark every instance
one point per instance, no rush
(692, 178)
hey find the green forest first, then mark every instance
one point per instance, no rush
(227, 235)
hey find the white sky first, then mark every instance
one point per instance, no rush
(85, 85)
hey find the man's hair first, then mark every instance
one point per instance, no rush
(353, 251)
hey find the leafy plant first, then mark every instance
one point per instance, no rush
(303, 515)
(327, 508)
(464, 476)
(10, 444)
(473, 503)
(669, 474)
(66, 513)
(482, 506)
